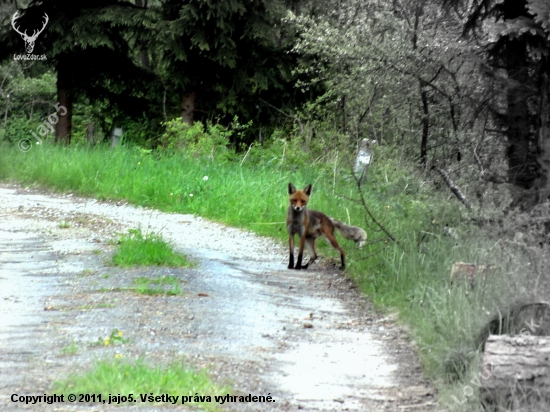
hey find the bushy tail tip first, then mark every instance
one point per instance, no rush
(351, 232)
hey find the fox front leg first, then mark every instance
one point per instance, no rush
(301, 254)
(291, 254)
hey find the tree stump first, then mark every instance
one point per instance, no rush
(469, 272)
(516, 371)
(90, 133)
(116, 134)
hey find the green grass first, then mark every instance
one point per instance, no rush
(119, 376)
(164, 285)
(86, 272)
(150, 249)
(412, 277)
(70, 350)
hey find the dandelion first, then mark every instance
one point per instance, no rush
(119, 333)
(205, 178)
(190, 194)
(107, 341)
(119, 355)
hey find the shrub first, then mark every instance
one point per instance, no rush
(210, 141)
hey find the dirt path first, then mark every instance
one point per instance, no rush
(305, 337)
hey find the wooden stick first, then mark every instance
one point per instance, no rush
(454, 188)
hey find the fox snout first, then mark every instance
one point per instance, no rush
(297, 208)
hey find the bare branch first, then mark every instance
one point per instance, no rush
(454, 188)
(284, 114)
(364, 203)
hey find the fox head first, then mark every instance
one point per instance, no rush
(298, 198)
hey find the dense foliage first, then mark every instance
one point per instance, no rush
(159, 59)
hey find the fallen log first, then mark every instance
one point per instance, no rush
(516, 371)
(519, 319)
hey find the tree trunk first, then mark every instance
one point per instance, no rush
(543, 145)
(516, 370)
(344, 125)
(521, 163)
(143, 54)
(188, 108)
(425, 125)
(145, 61)
(90, 133)
(188, 101)
(419, 11)
(65, 99)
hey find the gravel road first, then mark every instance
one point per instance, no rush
(307, 338)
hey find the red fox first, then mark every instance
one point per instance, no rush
(310, 224)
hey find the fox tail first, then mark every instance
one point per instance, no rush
(351, 232)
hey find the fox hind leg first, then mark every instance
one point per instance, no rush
(310, 243)
(332, 240)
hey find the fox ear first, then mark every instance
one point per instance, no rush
(291, 189)
(307, 189)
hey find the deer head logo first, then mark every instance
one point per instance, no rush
(29, 40)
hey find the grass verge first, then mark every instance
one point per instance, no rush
(120, 377)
